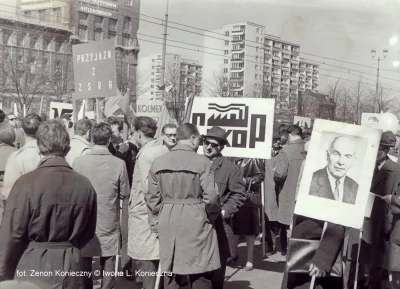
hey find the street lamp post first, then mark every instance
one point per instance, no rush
(373, 53)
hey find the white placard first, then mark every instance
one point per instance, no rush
(370, 120)
(57, 109)
(149, 107)
(248, 122)
(370, 205)
(343, 152)
(303, 122)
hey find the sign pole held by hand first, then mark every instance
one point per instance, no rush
(74, 110)
(98, 110)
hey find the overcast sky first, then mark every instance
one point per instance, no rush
(340, 29)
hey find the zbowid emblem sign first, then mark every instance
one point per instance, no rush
(95, 72)
(248, 122)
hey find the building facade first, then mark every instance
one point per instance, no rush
(81, 21)
(184, 74)
(255, 64)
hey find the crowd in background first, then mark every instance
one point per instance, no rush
(159, 205)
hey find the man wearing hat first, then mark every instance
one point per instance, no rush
(232, 196)
(380, 247)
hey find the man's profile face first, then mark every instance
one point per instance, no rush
(12, 120)
(116, 133)
(169, 136)
(341, 156)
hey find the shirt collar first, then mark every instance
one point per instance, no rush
(381, 165)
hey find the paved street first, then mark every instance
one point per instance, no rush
(266, 274)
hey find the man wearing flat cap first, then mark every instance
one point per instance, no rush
(232, 196)
(380, 247)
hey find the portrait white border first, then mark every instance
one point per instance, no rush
(330, 210)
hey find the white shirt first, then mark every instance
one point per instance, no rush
(332, 181)
(381, 165)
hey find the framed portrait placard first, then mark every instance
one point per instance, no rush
(338, 172)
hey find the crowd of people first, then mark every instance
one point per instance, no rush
(158, 207)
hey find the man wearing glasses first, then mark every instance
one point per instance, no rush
(19, 134)
(168, 134)
(231, 190)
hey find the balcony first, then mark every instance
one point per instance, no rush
(276, 56)
(285, 68)
(237, 40)
(295, 68)
(285, 76)
(237, 68)
(286, 48)
(285, 85)
(278, 66)
(236, 78)
(294, 85)
(286, 57)
(294, 60)
(293, 78)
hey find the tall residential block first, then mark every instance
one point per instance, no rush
(241, 60)
(185, 75)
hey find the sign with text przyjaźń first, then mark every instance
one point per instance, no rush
(149, 107)
(95, 71)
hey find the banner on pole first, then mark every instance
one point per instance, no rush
(149, 107)
(248, 122)
(303, 122)
(95, 69)
(338, 172)
(57, 109)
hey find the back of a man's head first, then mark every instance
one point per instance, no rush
(30, 124)
(146, 125)
(53, 138)
(284, 138)
(186, 131)
(295, 131)
(16, 284)
(82, 127)
(112, 120)
(101, 133)
(2, 116)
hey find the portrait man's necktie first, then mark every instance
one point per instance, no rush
(336, 193)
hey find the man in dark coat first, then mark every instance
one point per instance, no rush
(286, 174)
(127, 152)
(231, 189)
(332, 182)
(378, 230)
(49, 216)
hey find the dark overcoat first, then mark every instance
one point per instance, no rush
(287, 170)
(49, 216)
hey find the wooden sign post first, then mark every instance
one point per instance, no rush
(95, 71)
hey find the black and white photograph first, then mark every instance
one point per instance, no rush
(338, 173)
(205, 144)
(343, 157)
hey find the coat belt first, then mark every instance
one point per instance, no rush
(192, 201)
(50, 245)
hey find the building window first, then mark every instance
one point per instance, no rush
(256, 76)
(257, 39)
(98, 22)
(225, 61)
(129, 2)
(46, 43)
(256, 67)
(153, 60)
(57, 14)
(82, 33)
(42, 15)
(255, 86)
(112, 24)
(98, 35)
(125, 41)
(226, 42)
(127, 25)
(256, 58)
(28, 14)
(258, 30)
(112, 36)
(226, 33)
(226, 52)
(152, 80)
(225, 70)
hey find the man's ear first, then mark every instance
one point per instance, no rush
(222, 147)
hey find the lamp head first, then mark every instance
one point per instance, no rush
(373, 53)
(385, 52)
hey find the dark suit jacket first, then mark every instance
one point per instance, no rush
(320, 186)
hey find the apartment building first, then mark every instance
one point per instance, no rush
(309, 75)
(254, 64)
(184, 74)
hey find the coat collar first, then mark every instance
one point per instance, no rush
(383, 173)
(181, 147)
(99, 150)
(53, 162)
(82, 139)
(297, 141)
(149, 144)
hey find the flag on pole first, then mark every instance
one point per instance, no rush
(168, 88)
(165, 117)
(188, 108)
(111, 104)
(165, 87)
(124, 105)
(81, 114)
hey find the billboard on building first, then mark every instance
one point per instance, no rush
(27, 5)
(149, 107)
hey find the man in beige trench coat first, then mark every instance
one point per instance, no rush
(143, 244)
(183, 202)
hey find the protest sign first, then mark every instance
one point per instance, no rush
(303, 122)
(338, 172)
(248, 122)
(95, 69)
(57, 109)
(149, 107)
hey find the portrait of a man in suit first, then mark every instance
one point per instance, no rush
(332, 181)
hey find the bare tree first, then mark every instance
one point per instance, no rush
(142, 85)
(61, 83)
(220, 85)
(360, 99)
(335, 92)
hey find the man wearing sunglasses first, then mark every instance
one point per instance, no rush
(19, 134)
(168, 134)
(231, 190)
